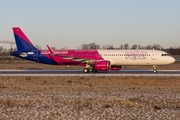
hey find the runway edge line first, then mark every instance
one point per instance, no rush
(90, 75)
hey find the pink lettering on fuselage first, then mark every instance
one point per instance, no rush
(61, 52)
(135, 55)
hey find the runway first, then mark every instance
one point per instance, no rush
(80, 73)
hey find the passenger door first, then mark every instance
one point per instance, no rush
(153, 55)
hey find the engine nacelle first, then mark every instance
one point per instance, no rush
(102, 66)
(115, 68)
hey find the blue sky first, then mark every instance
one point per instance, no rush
(70, 23)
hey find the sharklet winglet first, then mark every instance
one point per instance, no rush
(50, 50)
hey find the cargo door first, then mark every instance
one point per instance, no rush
(35, 55)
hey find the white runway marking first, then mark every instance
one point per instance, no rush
(89, 75)
(80, 73)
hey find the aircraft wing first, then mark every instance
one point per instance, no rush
(78, 59)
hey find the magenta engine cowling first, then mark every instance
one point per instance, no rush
(102, 66)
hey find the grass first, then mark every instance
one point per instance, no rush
(88, 97)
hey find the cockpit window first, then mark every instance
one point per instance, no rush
(165, 54)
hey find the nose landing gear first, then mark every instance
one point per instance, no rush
(155, 70)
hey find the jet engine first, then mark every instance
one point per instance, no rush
(102, 66)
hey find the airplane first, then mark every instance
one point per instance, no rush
(92, 60)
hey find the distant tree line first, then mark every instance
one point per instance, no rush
(5, 51)
(5, 54)
(171, 50)
(122, 46)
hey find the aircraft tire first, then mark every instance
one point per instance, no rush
(86, 70)
(94, 71)
(155, 71)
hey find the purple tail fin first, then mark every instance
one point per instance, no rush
(22, 42)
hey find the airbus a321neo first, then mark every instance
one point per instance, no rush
(94, 60)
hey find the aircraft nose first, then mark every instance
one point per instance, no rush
(171, 60)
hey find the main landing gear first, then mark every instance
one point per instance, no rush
(87, 69)
(155, 70)
(94, 71)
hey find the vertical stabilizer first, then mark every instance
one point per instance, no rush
(22, 42)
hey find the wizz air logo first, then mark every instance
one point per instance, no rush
(23, 55)
(135, 55)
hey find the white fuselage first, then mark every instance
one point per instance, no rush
(136, 57)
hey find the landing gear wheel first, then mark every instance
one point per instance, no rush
(94, 71)
(155, 71)
(86, 70)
